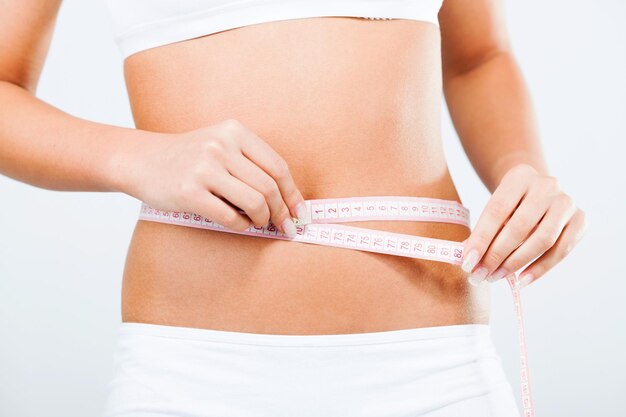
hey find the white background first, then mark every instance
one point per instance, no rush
(60, 271)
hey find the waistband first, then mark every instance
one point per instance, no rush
(470, 330)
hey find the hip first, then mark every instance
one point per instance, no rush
(435, 371)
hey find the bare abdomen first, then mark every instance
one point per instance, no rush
(353, 106)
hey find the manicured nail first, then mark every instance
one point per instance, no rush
(498, 274)
(289, 227)
(470, 261)
(478, 275)
(301, 210)
(524, 280)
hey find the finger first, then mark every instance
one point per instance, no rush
(545, 235)
(241, 195)
(213, 208)
(569, 238)
(245, 170)
(501, 204)
(533, 207)
(263, 155)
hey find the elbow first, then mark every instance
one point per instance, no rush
(25, 80)
(469, 65)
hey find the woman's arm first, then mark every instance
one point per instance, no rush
(191, 171)
(486, 94)
(528, 216)
(48, 148)
(39, 144)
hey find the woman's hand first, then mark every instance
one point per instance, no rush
(528, 216)
(210, 170)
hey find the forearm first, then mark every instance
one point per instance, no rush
(45, 147)
(493, 115)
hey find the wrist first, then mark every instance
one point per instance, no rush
(512, 159)
(124, 167)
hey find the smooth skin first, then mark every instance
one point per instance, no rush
(212, 163)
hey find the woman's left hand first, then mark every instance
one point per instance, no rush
(527, 216)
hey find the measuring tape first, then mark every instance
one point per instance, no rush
(319, 226)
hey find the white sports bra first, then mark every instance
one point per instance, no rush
(144, 24)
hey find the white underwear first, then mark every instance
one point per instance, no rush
(442, 371)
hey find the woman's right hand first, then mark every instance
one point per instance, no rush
(208, 171)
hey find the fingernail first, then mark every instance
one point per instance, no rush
(470, 260)
(477, 276)
(301, 210)
(524, 280)
(289, 228)
(498, 274)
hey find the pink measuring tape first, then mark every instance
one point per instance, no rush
(320, 227)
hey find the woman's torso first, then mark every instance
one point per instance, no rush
(353, 106)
